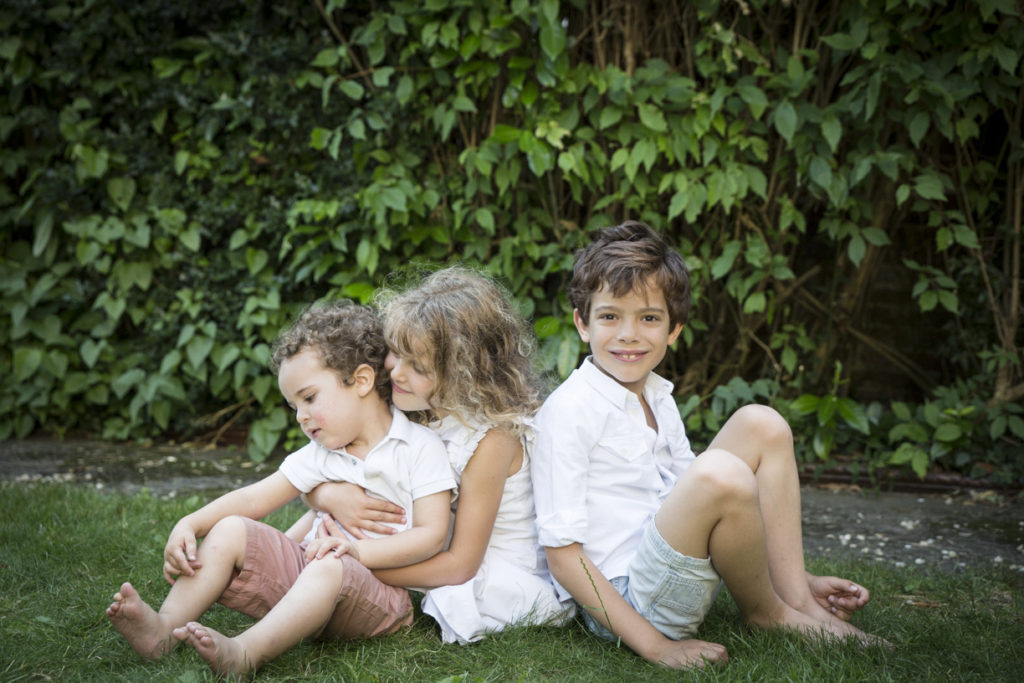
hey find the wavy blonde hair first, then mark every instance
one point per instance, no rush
(477, 345)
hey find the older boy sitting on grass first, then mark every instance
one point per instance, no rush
(331, 372)
(638, 530)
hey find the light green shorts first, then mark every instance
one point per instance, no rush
(672, 591)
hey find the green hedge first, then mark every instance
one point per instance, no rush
(844, 178)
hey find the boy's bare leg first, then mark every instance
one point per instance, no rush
(150, 632)
(760, 437)
(713, 510)
(303, 610)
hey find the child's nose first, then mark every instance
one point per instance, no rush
(627, 331)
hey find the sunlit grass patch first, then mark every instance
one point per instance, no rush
(64, 550)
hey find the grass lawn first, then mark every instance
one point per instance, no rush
(64, 550)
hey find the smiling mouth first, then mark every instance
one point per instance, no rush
(628, 356)
(399, 390)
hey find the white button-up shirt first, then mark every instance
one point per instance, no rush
(599, 471)
(409, 463)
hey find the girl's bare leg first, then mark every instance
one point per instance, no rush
(150, 632)
(302, 612)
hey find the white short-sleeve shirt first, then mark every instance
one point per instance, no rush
(599, 472)
(409, 463)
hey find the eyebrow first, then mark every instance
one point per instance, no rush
(610, 308)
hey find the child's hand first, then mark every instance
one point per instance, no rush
(354, 510)
(328, 545)
(329, 527)
(180, 553)
(691, 653)
(839, 596)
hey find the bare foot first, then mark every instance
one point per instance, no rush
(224, 655)
(836, 629)
(827, 628)
(140, 625)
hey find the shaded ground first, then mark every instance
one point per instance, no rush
(946, 530)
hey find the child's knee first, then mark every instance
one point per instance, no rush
(230, 525)
(723, 476)
(330, 568)
(763, 423)
(229, 532)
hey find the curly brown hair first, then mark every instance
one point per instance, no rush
(624, 258)
(345, 335)
(477, 345)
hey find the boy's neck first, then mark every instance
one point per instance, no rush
(648, 413)
(637, 389)
(376, 421)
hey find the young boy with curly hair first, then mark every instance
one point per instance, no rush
(330, 368)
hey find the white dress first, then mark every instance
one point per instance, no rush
(512, 585)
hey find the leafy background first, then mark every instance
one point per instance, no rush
(845, 180)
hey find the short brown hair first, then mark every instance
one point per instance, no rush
(623, 258)
(345, 336)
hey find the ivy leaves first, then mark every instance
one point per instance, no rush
(174, 199)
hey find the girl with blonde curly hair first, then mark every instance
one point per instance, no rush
(461, 362)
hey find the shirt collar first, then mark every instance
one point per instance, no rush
(654, 388)
(401, 427)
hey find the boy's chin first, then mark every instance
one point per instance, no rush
(624, 376)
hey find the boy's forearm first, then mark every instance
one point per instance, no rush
(575, 571)
(425, 539)
(404, 548)
(253, 501)
(203, 519)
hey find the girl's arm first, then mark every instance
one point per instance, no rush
(254, 501)
(498, 455)
(425, 538)
(356, 511)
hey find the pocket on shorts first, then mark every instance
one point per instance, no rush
(680, 596)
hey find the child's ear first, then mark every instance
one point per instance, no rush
(581, 325)
(364, 380)
(674, 334)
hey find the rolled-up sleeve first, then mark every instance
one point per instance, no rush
(560, 469)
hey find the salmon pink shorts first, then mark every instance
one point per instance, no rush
(364, 607)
